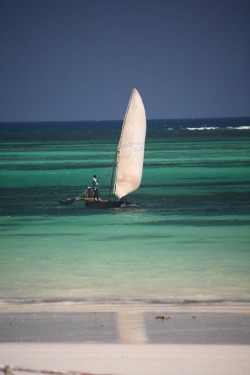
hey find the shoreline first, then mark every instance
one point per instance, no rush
(206, 307)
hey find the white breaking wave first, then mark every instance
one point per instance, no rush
(204, 128)
(243, 127)
(239, 127)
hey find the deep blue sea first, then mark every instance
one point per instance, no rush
(188, 241)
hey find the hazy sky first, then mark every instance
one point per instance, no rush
(78, 59)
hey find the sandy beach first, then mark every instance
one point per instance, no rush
(131, 359)
(126, 340)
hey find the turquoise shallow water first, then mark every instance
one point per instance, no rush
(188, 241)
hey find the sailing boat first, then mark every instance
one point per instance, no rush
(128, 165)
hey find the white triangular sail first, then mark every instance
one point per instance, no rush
(130, 152)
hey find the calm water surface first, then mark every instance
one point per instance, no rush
(188, 241)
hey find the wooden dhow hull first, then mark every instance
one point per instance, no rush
(102, 203)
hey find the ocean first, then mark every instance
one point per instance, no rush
(187, 242)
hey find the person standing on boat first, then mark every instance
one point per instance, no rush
(95, 187)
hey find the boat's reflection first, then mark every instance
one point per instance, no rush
(130, 326)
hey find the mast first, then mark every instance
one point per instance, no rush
(112, 176)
